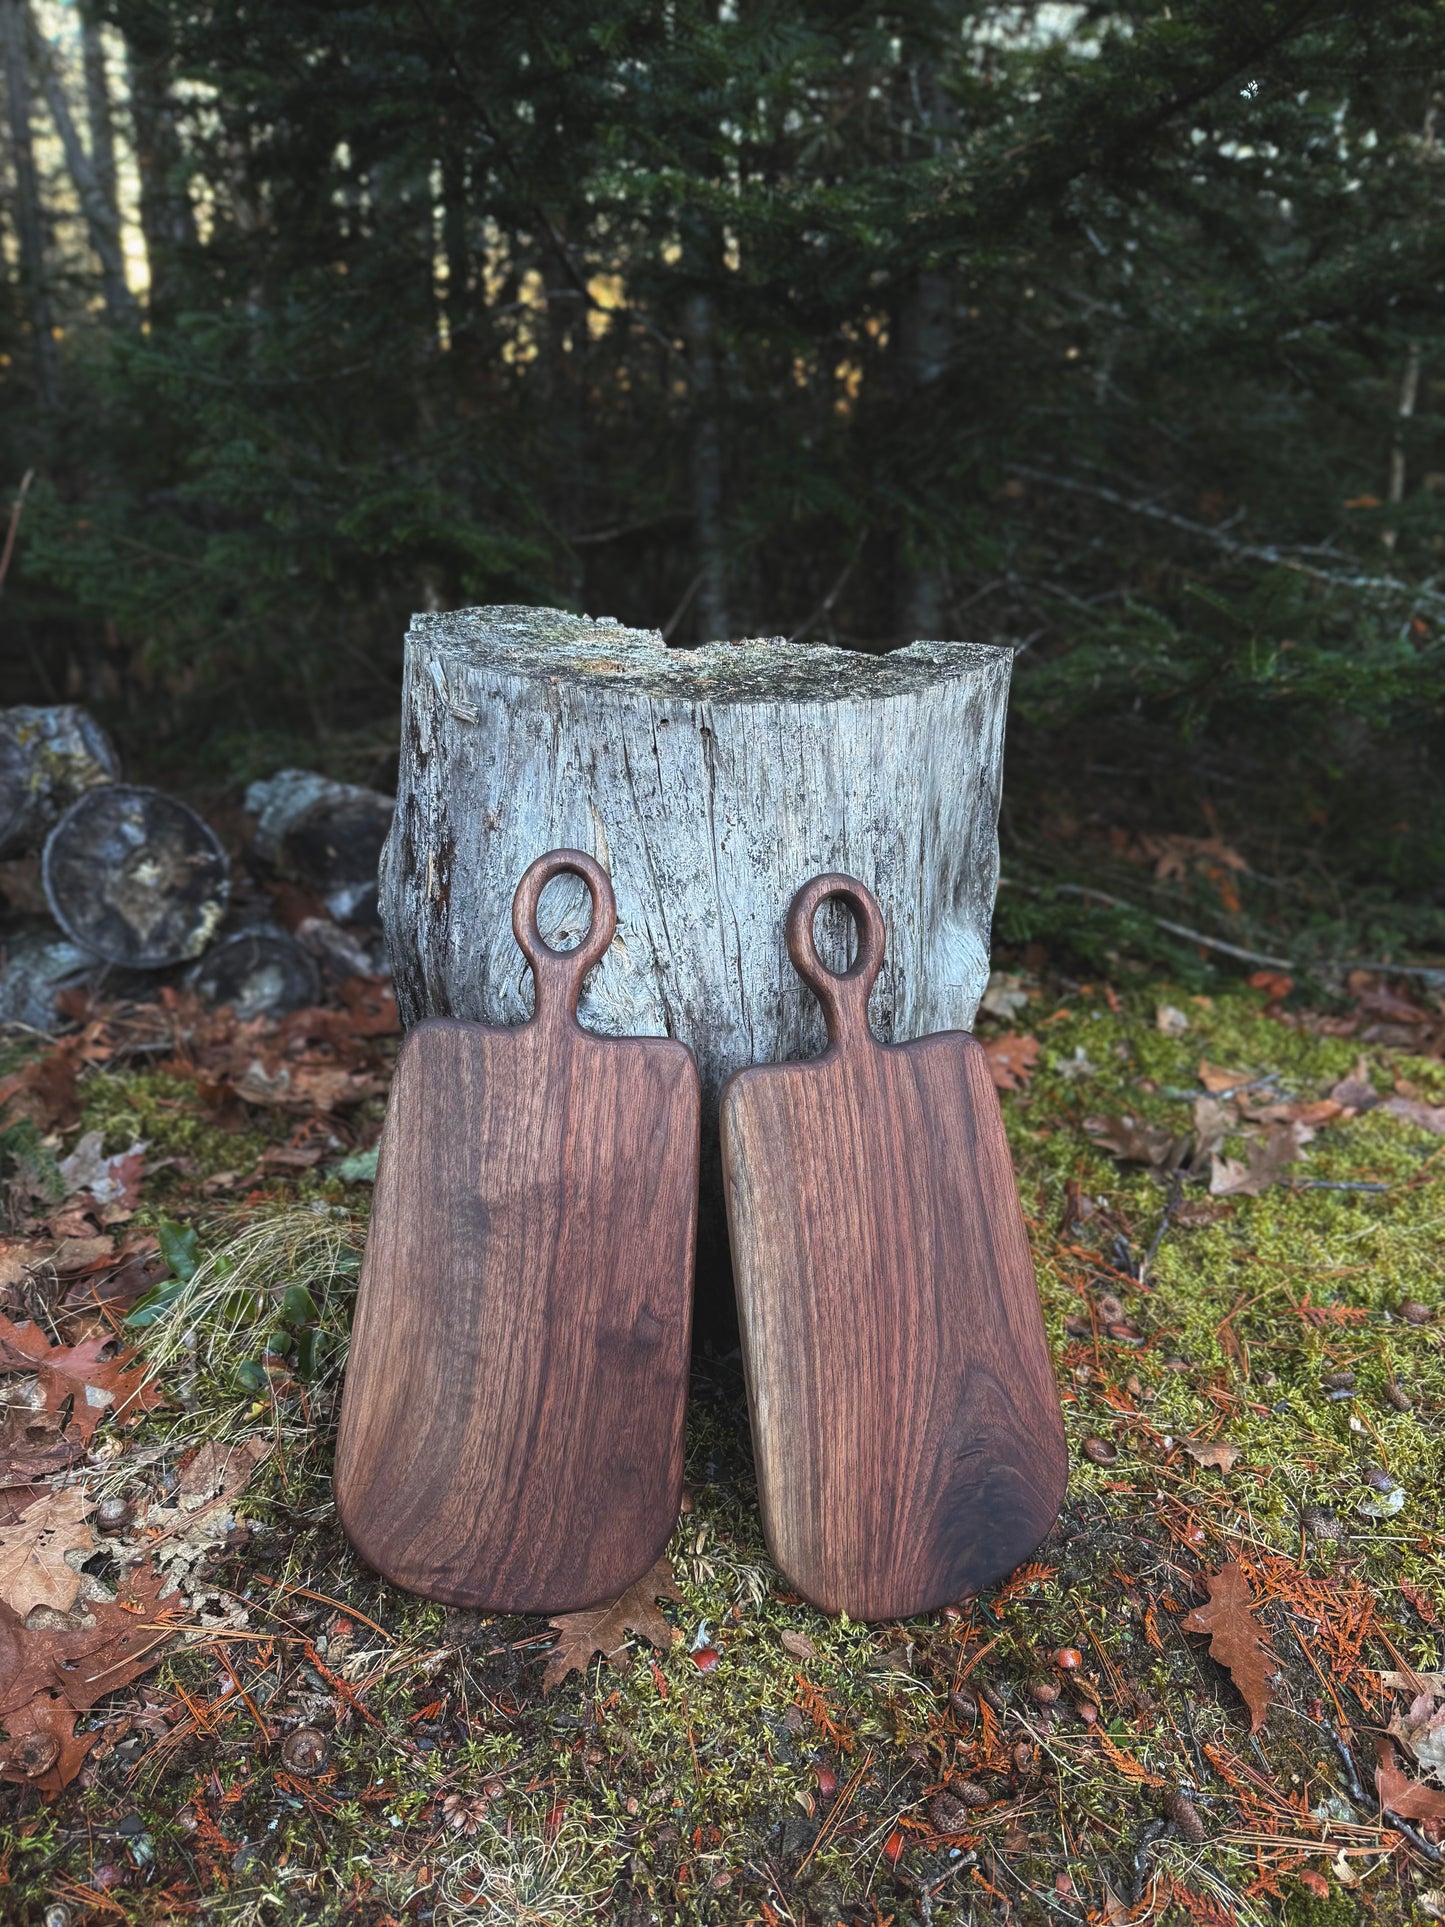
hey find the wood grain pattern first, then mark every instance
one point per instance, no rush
(906, 1420)
(511, 1429)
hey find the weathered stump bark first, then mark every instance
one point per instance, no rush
(48, 757)
(325, 834)
(136, 877)
(711, 782)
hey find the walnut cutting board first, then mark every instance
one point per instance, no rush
(511, 1427)
(906, 1421)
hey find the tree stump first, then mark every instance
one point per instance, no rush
(711, 782)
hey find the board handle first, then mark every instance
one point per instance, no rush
(559, 974)
(844, 996)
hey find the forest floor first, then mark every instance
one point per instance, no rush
(1217, 1693)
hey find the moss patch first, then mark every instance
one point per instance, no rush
(946, 1770)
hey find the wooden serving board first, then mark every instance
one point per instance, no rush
(906, 1421)
(511, 1429)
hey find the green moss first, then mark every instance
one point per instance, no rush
(165, 1113)
(666, 1793)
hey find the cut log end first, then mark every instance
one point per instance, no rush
(259, 972)
(136, 877)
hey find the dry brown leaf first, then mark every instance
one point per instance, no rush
(1427, 1117)
(1413, 1682)
(96, 1385)
(220, 1471)
(604, 1629)
(44, 1750)
(127, 1639)
(1218, 1453)
(1200, 1211)
(1423, 1728)
(798, 1644)
(15, 1498)
(1136, 1143)
(1213, 1121)
(1270, 1157)
(1237, 1640)
(1411, 1799)
(109, 1180)
(34, 1445)
(1215, 1079)
(43, 1090)
(1011, 1059)
(33, 1571)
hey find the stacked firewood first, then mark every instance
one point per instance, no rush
(122, 887)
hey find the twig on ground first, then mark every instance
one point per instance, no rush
(1142, 1855)
(1417, 1840)
(1347, 1760)
(1176, 1192)
(1431, 973)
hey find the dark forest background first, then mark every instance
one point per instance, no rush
(1111, 333)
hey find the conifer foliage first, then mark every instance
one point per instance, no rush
(1110, 332)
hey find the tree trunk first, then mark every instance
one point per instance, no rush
(711, 783)
(102, 215)
(166, 216)
(98, 114)
(705, 463)
(29, 226)
(925, 345)
(925, 330)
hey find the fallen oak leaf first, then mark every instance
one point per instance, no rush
(33, 1569)
(78, 1372)
(1269, 1159)
(1410, 1799)
(1135, 1143)
(15, 1498)
(1426, 1117)
(1237, 1640)
(1422, 1729)
(604, 1629)
(1011, 1060)
(125, 1638)
(35, 1445)
(1410, 1682)
(44, 1750)
(1218, 1453)
(43, 1090)
(1215, 1080)
(109, 1180)
(128, 1638)
(220, 1471)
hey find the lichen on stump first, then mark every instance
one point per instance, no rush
(711, 782)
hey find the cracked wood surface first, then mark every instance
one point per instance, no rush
(711, 783)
